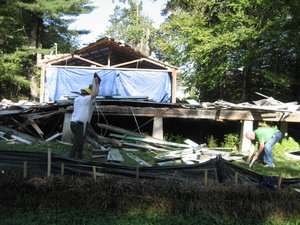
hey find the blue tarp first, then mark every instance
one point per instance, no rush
(62, 81)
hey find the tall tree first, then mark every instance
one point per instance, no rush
(25, 26)
(47, 21)
(230, 49)
(128, 24)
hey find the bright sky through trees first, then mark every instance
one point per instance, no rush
(97, 20)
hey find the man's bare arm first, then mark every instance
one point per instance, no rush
(260, 150)
(96, 84)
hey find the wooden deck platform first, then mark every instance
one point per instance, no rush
(200, 113)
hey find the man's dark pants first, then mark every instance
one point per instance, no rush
(77, 139)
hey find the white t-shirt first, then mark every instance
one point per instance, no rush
(83, 109)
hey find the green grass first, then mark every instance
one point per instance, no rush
(55, 147)
(133, 217)
(285, 167)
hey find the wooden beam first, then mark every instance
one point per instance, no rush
(36, 127)
(88, 61)
(63, 58)
(158, 63)
(173, 85)
(127, 63)
(109, 68)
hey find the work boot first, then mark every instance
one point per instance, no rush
(270, 165)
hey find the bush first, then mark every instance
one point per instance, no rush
(231, 141)
(212, 142)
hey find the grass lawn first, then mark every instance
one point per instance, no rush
(73, 217)
(285, 167)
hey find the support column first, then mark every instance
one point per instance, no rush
(173, 86)
(245, 143)
(283, 127)
(158, 130)
(67, 133)
(42, 84)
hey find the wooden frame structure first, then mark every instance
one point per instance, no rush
(106, 53)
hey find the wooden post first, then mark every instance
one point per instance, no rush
(279, 182)
(283, 127)
(158, 130)
(173, 85)
(67, 133)
(49, 163)
(205, 177)
(109, 58)
(25, 170)
(216, 175)
(236, 178)
(137, 173)
(245, 143)
(94, 173)
(42, 84)
(62, 169)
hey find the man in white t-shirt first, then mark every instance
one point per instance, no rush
(82, 113)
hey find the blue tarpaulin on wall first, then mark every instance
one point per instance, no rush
(62, 81)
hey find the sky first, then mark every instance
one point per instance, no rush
(98, 20)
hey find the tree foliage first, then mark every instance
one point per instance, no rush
(230, 49)
(26, 27)
(128, 24)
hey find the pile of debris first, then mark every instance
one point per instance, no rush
(265, 104)
(131, 148)
(30, 125)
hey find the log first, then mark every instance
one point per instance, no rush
(118, 130)
(100, 139)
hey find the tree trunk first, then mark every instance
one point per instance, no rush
(35, 43)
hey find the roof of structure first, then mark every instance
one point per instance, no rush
(109, 52)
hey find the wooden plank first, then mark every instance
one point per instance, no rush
(19, 134)
(53, 137)
(8, 112)
(88, 61)
(127, 63)
(22, 126)
(109, 68)
(118, 129)
(36, 127)
(148, 140)
(213, 114)
(159, 112)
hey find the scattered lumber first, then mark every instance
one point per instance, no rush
(138, 159)
(26, 138)
(149, 140)
(53, 137)
(118, 130)
(115, 156)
